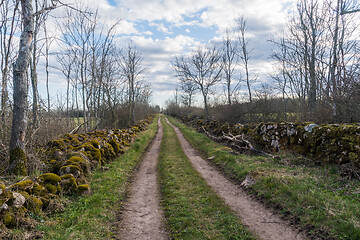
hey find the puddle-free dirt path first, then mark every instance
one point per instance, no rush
(142, 216)
(261, 221)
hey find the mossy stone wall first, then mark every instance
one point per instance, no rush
(69, 161)
(325, 144)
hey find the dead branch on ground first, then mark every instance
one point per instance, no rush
(238, 142)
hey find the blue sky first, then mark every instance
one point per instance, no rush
(163, 29)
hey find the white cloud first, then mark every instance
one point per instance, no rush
(160, 27)
(157, 56)
(149, 33)
(126, 27)
(264, 18)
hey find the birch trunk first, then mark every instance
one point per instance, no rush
(17, 164)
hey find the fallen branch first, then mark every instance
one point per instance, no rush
(238, 142)
(77, 128)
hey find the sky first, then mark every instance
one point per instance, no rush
(163, 29)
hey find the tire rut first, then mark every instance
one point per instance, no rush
(142, 216)
(265, 224)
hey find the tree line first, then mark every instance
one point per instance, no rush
(316, 61)
(105, 84)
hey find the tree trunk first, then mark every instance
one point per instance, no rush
(33, 74)
(17, 164)
(335, 58)
(312, 73)
(206, 105)
(33, 71)
(229, 88)
(67, 98)
(47, 46)
(5, 70)
(131, 102)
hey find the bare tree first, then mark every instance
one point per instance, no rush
(176, 96)
(312, 26)
(335, 57)
(316, 57)
(189, 88)
(8, 26)
(349, 6)
(342, 8)
(203, 68)
(230, 61)
(17, 164)
(48, 42)
(133, 71)
(78, 28)
(66, 61)
(40, 16)
(244, 53)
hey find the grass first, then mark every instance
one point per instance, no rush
(192, 208)
(93, 216)
(317, 198)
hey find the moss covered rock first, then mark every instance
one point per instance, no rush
(80, 162)
(68, 182)
(18, 161)
(83, 189)
(50, 178)
(38, 190)
(4, 197)
(24, 185)
(56, 144)
(51, 188)
(9, 219)
(115, 145)
(96, 154)
(34, 204)
(95, 143)
(73, 169)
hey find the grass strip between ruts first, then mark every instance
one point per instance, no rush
(93, 216)
(192, 209)
(325, 204)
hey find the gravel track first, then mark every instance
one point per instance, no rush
(142, 216)
(265, 224)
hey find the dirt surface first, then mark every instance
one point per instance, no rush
(142, 216)
(259, 220)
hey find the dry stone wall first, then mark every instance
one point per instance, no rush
(69, 161)
(325, 144)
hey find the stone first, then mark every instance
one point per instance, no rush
(248, 181)
(310, 127)
(4, 207)
(291, 131)
(19, 200)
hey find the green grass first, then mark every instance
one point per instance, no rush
(192, 208)
(93, 216)
(322, 202)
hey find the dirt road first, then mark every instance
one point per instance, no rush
(261, 221)
(142, 216)
(144, 219)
